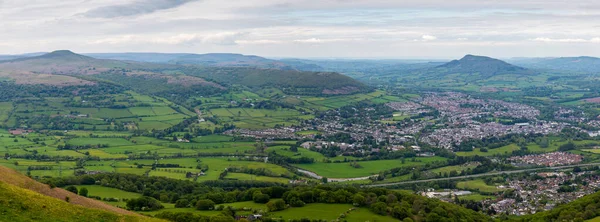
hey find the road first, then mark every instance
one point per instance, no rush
(481, 175)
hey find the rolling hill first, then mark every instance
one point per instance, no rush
(209, 59)
(290, 81)
(67, 68)
(24, 199)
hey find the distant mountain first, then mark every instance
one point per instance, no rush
(210, 59)
(64, 67)
(290, 81)
(582, 64)
(481, 65)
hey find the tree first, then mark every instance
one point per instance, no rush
(358, 200)
(144, 203)
(83, 192)
(566, 147)
(72, 189)
(205, 204)
(182, 203)
(259, 197)
(379, 208)
(276, 205)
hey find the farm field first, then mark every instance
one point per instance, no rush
(5, 110)
(329, 212)
(285, 151)
(477, 185)
(258, 118)
(368, 168)
(250, 177)
(107, 192)
(506, 150)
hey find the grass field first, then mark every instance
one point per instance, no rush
(243, 176)
(111, 142)
(107, 192)
(5, 110)
(329, 212)
(477, 185)
(506, 150)
(368, 168)
(284, 150)
(258, 118)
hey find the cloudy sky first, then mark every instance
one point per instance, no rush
(305, 28)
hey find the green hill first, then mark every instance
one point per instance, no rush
(67, 68)
(290, 81)
(21, 200)
(484, 66)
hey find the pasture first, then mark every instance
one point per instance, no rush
(108, 192)
(285, 151)
(367, 168)
(329, 212)
(257, 118)
(478, 185)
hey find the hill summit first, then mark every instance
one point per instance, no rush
(59, 55)
(482, 65)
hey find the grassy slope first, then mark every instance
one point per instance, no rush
(32, 200)
(18, 204)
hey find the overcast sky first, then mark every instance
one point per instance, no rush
(305, 28)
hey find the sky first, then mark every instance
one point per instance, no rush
(442, 29)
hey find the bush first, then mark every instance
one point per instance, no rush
(144, 204)
(72, 189)
(205, 204)
(83, 192)
(182, 203)
(276, 205)
(261, 198)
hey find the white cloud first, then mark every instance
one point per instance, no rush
(428, 38)
(225, 38)
(566, 40)
(139, 7)
(318, 40)
(258, 42)
(287, 27)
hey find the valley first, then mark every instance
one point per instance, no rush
(477, 137)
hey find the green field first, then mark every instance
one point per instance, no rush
(258, 118)
(344, 170)
(329, 212)
(111, 142)
(284, 150)
(107, 192)
(243, 176)
(5, 110)
(507, 150)
(477, 185)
